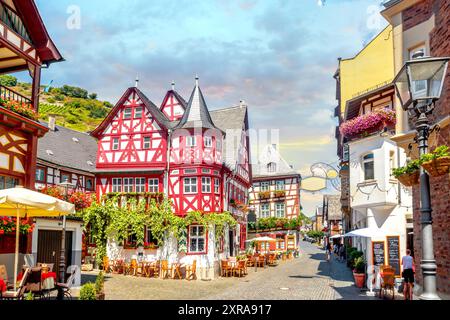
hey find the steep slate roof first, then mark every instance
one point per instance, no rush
(332, 207)
(267, 155)
(230, 119)
(66, 150)
(177, 96)
(197, 113)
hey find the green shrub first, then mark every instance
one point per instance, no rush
(411, 167)
(87, 292)
(29, 296)
(99, 282)
(51, 100)
(360, 265)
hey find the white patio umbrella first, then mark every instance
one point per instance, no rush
(365, 233)
(262, 239)
(21, 203)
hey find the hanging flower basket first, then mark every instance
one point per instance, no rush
(409, 179)
(437, 167)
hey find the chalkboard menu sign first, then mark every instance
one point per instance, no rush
(378, 253)
(393, 247)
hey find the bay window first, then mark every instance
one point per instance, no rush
(190, 185)
(208, 142)
(206, 184)
(216, 185)
(153, 185)
(190, 141)
(368, 167)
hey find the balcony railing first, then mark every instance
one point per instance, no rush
(9, 94)
(13, 21)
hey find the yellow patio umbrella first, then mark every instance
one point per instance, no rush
(20, 202)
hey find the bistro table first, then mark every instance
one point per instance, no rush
(48, 280)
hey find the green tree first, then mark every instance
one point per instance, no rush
(93, 96)
(8, 80)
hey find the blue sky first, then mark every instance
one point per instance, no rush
(277, 55)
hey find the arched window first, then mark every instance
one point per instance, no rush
(368, 167)
(272, 167)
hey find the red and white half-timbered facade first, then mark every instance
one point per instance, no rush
(178, 149)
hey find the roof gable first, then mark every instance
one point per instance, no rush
(130, 95)
(269, 155)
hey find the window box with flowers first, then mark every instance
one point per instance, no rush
(21, 108)
(264, 194)
(368, 124)
(279, 193)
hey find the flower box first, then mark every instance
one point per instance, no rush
(21, 108)
(264, 195)
(437, 167)
(368, 124)
(280, 193)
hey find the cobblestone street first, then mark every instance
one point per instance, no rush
(309, 277)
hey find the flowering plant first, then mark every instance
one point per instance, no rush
(53, 192)
(368, 123)
(80, 200)
(22, 108)
(8, 225)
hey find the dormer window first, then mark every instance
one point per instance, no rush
(190, 141)
(368, 165)
(272, 167)
(208, 142)
(138, 113)
(127, 113)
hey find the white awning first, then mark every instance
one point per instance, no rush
(337, 236)
(366, 233)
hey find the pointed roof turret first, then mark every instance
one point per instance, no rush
(196, 114)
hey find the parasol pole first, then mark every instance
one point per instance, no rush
(16, 258)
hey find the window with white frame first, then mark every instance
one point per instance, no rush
(146, 142)
(117, 185)
(115, 143)
(368, 166)
(128, 184)
(138, 113)
(280, 244)
(272, 167)
(279, 185)
(265, 186)
(197, 239)
(190, 185)
(265, 211)
(207, 141)
(127, 113)
(216, 185)
(153, 185)
(140, 184)
(392, 161)
(279, 210)
(191, 141)
(206, 184)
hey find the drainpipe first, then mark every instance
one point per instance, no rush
(399, 188)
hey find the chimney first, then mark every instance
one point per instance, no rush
(52, 122)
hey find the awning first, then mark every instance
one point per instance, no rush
(365, 233)
(337, 236)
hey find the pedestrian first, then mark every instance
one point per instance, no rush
(328, 250)
(408, 275)
(341, 252)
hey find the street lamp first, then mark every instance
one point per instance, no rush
(62, 259)
(419, 85)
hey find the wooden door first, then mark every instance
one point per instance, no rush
(49, 248)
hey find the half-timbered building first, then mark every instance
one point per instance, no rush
(25, 45)
(183, 150)
(275, 192)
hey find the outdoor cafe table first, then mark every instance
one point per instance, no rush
(48, 280)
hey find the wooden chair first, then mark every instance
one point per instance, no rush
(19, 293)
(240, 268)
(261, 261)
(250, 261)
(191, 271)
(272, 260)
(176, 271)
(106, 265)
(166, 270)
(225, 268)
(154, 269)
(34, 282)
(145, 269)
(388, 281)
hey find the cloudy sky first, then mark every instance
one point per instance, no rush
(277, 55)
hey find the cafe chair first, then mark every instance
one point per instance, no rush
(261, 261)
(19, 293)
(387, 281)
(69, 283)
(226, 269)
(34, 281)
(191, 271)
(166, 270)
(154, 268)
(240, 268)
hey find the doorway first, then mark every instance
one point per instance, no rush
(231, 237)
(49, 248)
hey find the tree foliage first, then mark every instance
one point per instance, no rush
(8, 80)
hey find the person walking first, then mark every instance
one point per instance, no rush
(328, 249)
(408, 275)
(341, 252)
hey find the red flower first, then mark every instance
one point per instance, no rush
(2, 231)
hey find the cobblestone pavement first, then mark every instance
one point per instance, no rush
(308, 277)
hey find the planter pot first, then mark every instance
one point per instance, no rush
(100, 296)
(409, 179)
(359, 279)
(437, 167)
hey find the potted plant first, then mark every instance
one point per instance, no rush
(264, 194)
(409, 174)
(437, 163)
(100, 286)
(359, 272)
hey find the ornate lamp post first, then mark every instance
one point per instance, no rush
(62, 259)
(419, 85)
